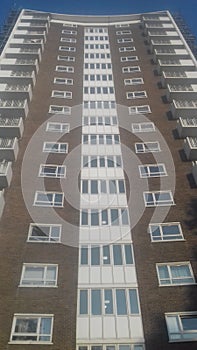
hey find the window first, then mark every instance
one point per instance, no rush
(66, 58)
(152, 170)
(97, 66)
(134, 81)
(99, 90)
(67, 48)
(112, 347)
(53, 171)
(97, 55)
(100, 121)
(69, 24)
(99, 104)
(123, 25)
(102, 161)
(117, 254)
(169, 231)
(127, 49)
(148, 147)
(59, 109)
(92, 139)
(67, 31)
(39, 275)
(64, 81)
(129, 58)
(98, 77)
(96, 46)
(182, 326)
(175, 274)
(58, 127)
(58, 147)
(68, 40)
(158, 198)
(95, 217)
(123, 32)
(48, 199)
(46, 233)
(124, 40)
(132, 69)
(139, 109)
(31, 328)
(142, 127)
(61, 94)
(102, 186)
(108, 302)
(136, 94)
(65, 69)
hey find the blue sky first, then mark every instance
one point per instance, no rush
(98, 7)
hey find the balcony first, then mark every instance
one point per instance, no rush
(2, 203)
(169, 53)
(166, 44)
(158, 33)
(181, 92)
(8, 149)
(21, 53)
(14, 108)
(27, 65)
(5, 173)
(174, 64)
(178, 77)
(187, 127)
(35, 43)
(190, 148)
(33, 25)
(14, 91)
(155, 18)
(11, 127)
(17, 77)
(30, 34)
(37, 18)
(158, 26)
(194, 171)
(183, 108)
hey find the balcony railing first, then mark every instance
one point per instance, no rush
(12, 103)
(185, 104)
(23, 62)
(178, 74)
(11, 127)
(21, 74)
(180, 88)
(29, 50)
(17, 88)
(6, 143)
(9, 121)
(189, 121)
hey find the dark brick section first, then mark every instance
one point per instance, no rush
(14, 250)
(155, 300)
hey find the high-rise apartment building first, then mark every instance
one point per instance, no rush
(98, 173)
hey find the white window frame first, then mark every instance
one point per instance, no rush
(59, 148)
(176, 332)
(134, 81)
(48, 237)
(63, 81)
(66, 58)
(124, 40)
(149, 173)
(64, 69)
(44, 282)
(170, 265)
(72, 25)
(154, 202)
(141, 129)
(139, 109)
(63, 127)
(120, 220)
(131, 69)
(61, 94)
(123, 25)
(129, 58)
(57, 173)
(67, 48)
(123, 32)
(146, 149)
(64, 109)
(51, 203)
(162, 237)
(67, 31)
(127, 49)
(68, 40)
(39, 318)
(136, 94)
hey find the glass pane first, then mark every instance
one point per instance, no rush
(121, 186)
(104, 217)
(108, 301)
(128, 254)
(84, 218)
(103, 186)
(94, 218)
(83, 302)
(121, 302)
(24, 325)
(94, 186)
(114, 217)
(96, 302)
(117, 254)
(189, 323)
(125, 220)
(95, 255)
(112, 186)
(84, 256)
(134, 309)
(106, 255)
(85, 186)
(45, 325)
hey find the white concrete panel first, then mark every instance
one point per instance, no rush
(136, 327)
(122, 327)
(95, 275)
(130, 274)
(118, 273)
(83, 276)
(109, 327)
(82, 328)
(106, 275)
(96, 328)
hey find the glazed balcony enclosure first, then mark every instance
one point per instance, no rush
(187, 127)
(5, 173)
(11, 127)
